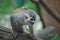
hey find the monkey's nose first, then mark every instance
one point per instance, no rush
(31, 19)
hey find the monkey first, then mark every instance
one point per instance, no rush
(28, 17)
(19, 19)
(25, 18)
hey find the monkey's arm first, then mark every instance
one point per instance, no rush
(16, 26)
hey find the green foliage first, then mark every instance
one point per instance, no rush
(26, 3)
(30, 5)
(55, 38)
(19, 3)
(4, 4)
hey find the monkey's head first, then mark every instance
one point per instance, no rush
(22, 17)
(29, 17)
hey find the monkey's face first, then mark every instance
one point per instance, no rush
(30, 20)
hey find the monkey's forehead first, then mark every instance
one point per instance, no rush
(28, 12)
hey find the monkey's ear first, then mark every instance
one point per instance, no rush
(25, 16)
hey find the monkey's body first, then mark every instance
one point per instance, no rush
(19, 20)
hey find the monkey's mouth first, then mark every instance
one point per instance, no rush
(31, 23)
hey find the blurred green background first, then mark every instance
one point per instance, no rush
(7, 6)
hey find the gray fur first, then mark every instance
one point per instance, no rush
(19, 17)
(47, 33)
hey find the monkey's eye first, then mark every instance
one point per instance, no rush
(34, 18)
(31, 19)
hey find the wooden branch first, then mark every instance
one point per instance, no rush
(50, 10)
